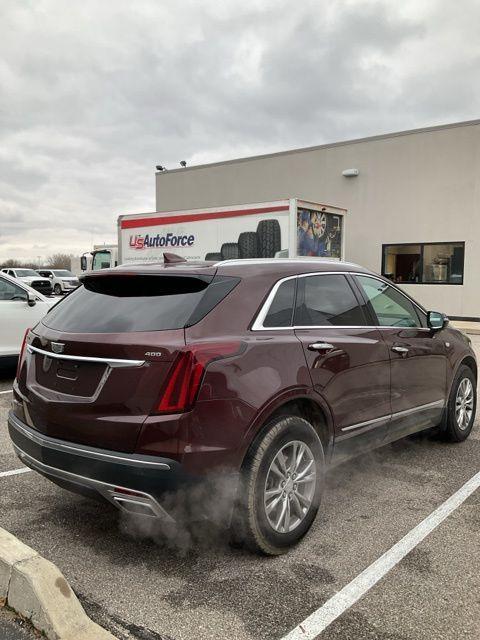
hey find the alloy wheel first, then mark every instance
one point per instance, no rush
(464, 404)
(290, 486)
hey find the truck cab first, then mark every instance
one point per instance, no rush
(100, 258)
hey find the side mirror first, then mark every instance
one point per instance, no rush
(31, 299)
(83, 263)
(436, 320)
(51, 277)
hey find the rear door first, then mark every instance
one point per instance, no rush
(348, 360)
(418, 357)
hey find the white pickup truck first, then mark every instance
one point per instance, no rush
(32, 278)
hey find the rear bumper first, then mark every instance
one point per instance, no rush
(135, 483)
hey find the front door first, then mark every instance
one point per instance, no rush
(418, 357)
(348, 361)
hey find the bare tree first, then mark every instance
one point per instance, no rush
(59, 261)
(12, 263)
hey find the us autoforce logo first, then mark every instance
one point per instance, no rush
(167, 240)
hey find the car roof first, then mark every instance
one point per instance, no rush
(244, 267)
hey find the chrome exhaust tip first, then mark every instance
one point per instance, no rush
(137, 503)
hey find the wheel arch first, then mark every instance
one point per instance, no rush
(470, 362)
(302, 405)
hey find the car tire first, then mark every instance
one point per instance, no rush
(215, 257)
(248, 245)
(269, 238)
(229, 251)
(463, 393)
(57, 289)
(263, 530)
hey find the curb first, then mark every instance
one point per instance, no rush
(36, 589)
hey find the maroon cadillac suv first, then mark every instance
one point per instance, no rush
(154, 377)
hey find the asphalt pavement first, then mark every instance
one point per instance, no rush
(11, 628)
(189, 585)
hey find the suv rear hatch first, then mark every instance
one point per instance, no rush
(95, 367)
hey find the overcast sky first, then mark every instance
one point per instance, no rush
(94, 94)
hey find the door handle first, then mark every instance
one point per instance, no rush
(323, 347)
(402, 350)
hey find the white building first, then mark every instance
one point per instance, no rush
(413, 208)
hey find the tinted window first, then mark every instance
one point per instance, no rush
(118, 304)
(10, 291)
(434, 262)
(327, 300)
(63, 273)
(281, 310)
(391, 307)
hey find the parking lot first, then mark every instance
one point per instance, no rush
(189, 585)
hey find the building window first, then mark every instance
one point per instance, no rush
(427, 263)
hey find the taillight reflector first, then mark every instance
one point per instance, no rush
(21, 356)
(181, 389)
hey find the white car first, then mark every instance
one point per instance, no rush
(63, 281)
(32, 278)
(21, 308)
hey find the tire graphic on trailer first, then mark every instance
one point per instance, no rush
(248, 244)
(216, 257)
(229, 251)
(269, 238)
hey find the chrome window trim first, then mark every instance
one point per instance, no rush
(392, 416)
(112, 362)
(261, 315)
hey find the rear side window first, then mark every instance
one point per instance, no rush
(280, 313)
(122, 303)
(327, 300)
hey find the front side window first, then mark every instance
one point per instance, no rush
(10, 291)
(101, 260)
(427, 263)
(280, 313)
(391, 308)
(327, 300)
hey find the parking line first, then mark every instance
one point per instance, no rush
(7, 391)
(14, 472)
(320, 619)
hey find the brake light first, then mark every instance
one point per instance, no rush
(181, 389)
(22, 353)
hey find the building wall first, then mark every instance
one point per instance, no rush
(413, 187)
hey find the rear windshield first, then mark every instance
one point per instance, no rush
(119, 304)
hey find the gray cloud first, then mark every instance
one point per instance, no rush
(93, 95)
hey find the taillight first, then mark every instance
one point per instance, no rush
(180, 392)
(22, 353)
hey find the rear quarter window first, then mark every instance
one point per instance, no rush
(124, 303)
(280, 313)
